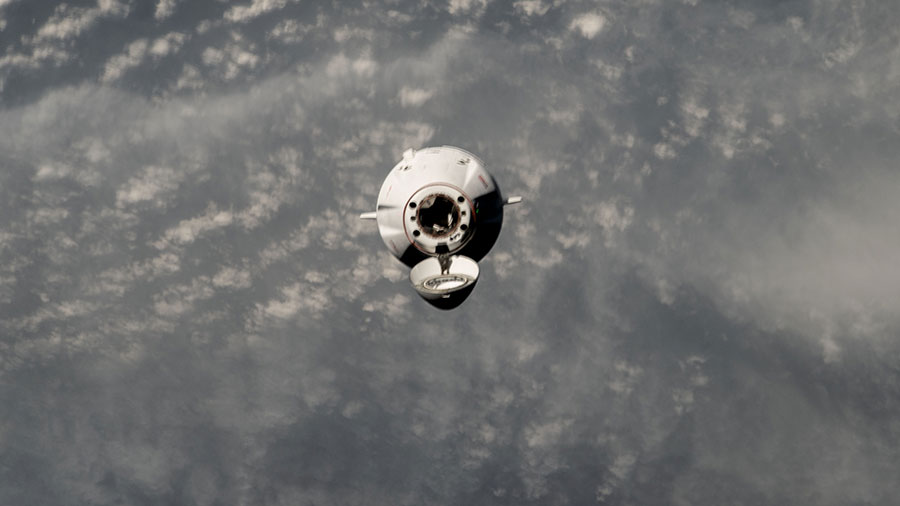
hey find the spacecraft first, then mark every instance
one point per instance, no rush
(439, 212)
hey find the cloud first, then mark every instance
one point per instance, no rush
(588, 25)
(531, 7)
(234, 59)
(269, 191)
(703, 259)
(289, 31)
(244, 13)
(298, 297)
(155, 184)
(187, 231)
(230, 277)
(414, 97)
(35, 59)
(167, 44)
(67, 22)
(131, 58)
(164, 9)
(340, 66)
(395, 308)
(465, 6)
(4, 3)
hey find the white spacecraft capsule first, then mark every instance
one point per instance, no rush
(440, 211)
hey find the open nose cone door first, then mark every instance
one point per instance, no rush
(444, 282)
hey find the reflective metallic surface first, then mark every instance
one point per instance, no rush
(439, 211)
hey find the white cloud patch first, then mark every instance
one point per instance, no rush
(67, 22)
(118, 280)
(694, 116)
(340, 66)
(51, 172)
(131, 58)
(269, 191)
(3, 3)
(742, 18)
(167, 44)
(613, 216)
(233, 60)
(842, 54)
(179, 299)
(588, 25)
(414, 97)
(319, 226)
(395, 308)
(820, 254)
(47, 215)
(136, 52)
(531, 7)
(50, 44)
(346, 33)
(288, 31)
(776, 119)
(164, 9)
(610, 71)
(191, 79)
(624, 378)
(306, 297)
(244, 13)
(232, 278)
(37, 57)
(466, 6)
(187, 231)
(154, 184)
(664, 151)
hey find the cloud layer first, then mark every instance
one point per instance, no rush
(696, 304)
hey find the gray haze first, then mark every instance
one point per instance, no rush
(697, 304)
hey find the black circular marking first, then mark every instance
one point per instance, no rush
(412, 217)
(460, 199)
(416, 233)
(463, 226)
(412, 205)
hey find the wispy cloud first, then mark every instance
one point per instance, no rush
(244, 13)
(67, 22)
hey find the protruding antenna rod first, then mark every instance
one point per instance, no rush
(368, 216)
(512, 200)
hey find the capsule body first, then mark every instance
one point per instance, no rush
(439, 212)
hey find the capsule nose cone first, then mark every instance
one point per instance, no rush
(445, 283)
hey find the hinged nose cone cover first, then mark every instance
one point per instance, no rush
(444, 282)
